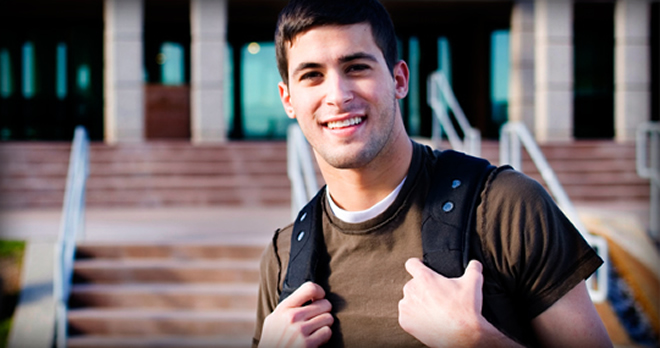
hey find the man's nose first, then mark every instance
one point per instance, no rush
(339, 92)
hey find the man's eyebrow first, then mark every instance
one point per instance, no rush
(344, 59)
(356, 56)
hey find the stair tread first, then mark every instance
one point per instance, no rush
(215, 288)
(161, 341)
(161, 250)
(247, 315)
(165, 263)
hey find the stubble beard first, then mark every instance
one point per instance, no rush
(358, 155)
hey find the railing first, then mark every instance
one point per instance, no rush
(72, 226)
(648, 167)
(441, 98)
(515, 134)
(300, 167)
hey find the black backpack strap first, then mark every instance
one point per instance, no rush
(449, 211)
(307, 245)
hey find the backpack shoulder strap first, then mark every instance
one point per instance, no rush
(449, 211)
(307, 245)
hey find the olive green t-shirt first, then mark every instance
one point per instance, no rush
(530, 251)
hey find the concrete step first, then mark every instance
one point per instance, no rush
(160, 341)
(149, 166)
(178, 251)
(195, 297)
(151, 182)
(153, 323)
(164, 294)
(99, 271)
(238, 196)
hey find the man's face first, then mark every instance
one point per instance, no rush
(342, 93)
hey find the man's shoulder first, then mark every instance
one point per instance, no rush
(281, 242)
(509, 185)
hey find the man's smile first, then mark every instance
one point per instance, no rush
(344, 123)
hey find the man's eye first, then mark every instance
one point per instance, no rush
(357, 68)
(310, 75)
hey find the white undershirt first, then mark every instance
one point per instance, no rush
(355, 217)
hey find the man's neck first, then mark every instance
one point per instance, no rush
(361, 188)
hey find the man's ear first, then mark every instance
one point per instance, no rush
(401, 79)
(285, 97)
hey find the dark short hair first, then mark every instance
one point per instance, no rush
(300, 16)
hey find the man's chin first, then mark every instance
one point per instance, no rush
(347, 160)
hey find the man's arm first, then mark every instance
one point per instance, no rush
(572, 321)
(446, 312)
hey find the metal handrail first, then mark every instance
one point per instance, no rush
(72, 226)
(440, 98)
(515, 134)
(300, 168)
(648, 167)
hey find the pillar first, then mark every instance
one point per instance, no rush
(553, 64)
(521, 83)
(123, 73)
(632, 73)
(208, 20)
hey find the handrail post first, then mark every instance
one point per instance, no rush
(300, 169)
(654, 206)
(71, 229)
(649, 133)
(441, 99)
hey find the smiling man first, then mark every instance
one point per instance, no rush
(341, 81)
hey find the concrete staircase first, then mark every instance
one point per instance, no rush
(164, 295)
(150, 174)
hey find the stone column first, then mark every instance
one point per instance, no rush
(632, 76)
(208, 20)
(521, 83)
(123, 73)
(553, 56)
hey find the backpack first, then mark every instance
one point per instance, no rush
(448, 222)
(456, 186)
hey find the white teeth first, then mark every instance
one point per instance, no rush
(345, 123)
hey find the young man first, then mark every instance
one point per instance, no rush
(341, 81)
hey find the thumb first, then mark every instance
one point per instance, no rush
(416, 267)
(474, 272)
(307, 292)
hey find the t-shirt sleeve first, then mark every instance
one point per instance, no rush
(538, 254)
(267, 297)
(271, 278)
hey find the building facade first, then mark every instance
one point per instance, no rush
(204, 70)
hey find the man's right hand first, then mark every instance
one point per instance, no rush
(294, 324)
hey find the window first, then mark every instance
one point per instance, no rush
(83, 77)
(28, 71)
(414, 118)
(172, 64)
(264, 116)
(6, 87)
(499, 75)
(60, 71)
